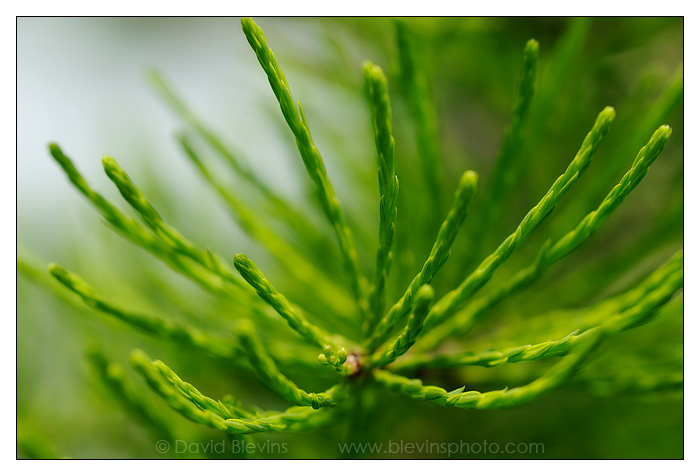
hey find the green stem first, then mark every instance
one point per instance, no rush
(558, 375)
(375, 83)
(294, 115)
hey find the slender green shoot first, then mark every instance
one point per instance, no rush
(157, 326)
(419, 97)
(113, 377)
(181, 109)
(507, 166)
(310, 276)
(439, 254)
(174, 397)
(615, 314)
(562, 68)
(333, 355)
(551, 253)
(490, 358)
(294, 419)
(270, 375)
(595, 219)
(558, 375)
(310, 155)
(203, 274)
(376, 86)
(165, 232)
(127, 226)
(644, 126)
(656, 280)
(280, 207)
(188, 391)
(424, 298)
(452, 300)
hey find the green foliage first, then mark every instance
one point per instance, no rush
(532, 220)
(333, 374)
(311, 156)
(416, 87)
(160, 327)
(438, 255)
(509, 397)
(189, 402)
(376, 85)
(270, 375)
(424, 298)
(620, 312)
(551, 253)
(333, 354)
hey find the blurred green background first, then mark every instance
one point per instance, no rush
(81, 83)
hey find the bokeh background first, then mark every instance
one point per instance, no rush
(82, 83)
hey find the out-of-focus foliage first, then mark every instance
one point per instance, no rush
(452, 84)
